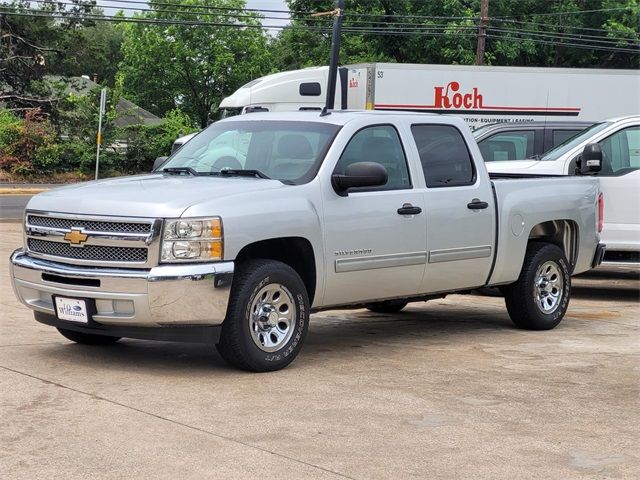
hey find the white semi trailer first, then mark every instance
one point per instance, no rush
(480, 95)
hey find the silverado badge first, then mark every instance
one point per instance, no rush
(76, 237)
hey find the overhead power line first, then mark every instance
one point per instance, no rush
(564, 44)
(389, 29)
(200, 7)
(572, 27)
(574, 12)
(387, 20)
(562, 36)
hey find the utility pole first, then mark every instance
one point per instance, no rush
(103, 107)
(482, 31)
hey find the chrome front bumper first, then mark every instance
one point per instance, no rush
(167, 295)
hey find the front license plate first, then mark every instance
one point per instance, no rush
(72, 310)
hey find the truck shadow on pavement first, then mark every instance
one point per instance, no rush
(339, 332)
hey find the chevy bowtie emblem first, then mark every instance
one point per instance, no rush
(76, 237)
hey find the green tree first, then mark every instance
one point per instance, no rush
(521, 32)
(30, 46)
(191, 67)
(93, 50)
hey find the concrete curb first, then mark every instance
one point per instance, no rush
(21, 191)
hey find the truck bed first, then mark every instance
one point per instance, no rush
(524, 201)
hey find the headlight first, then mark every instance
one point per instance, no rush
(192, 240)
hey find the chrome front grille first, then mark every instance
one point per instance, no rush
(89, 225)
(93, 240)
(90, 252)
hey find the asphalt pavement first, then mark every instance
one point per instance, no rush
(445, 389)
(12, 206)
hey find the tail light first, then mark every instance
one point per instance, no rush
(600, 212)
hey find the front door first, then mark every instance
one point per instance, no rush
(375, 240)
(619, 181)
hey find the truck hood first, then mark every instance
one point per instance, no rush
(511, 166)
(153, 195)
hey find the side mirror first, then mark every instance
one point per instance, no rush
(360, 174)
(157, 162)
(590, 161)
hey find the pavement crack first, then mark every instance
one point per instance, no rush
(176, 422)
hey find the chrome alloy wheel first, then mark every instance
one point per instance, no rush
(272, 318)
(548, 287)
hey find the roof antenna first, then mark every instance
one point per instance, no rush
(335, 55)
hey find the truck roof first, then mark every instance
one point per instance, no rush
(337, 117)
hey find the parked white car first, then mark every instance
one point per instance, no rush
(619, 179)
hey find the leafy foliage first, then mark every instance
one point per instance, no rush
(191, 67)
(522, 33)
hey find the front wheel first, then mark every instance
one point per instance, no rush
(267, 318)
(538, 300)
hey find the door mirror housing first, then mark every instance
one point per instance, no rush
(157, 162)
(590, 162)
(360, 174)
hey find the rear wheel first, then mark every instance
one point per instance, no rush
(267, 317)
(87, 338)
(388, 306)
(538, 300)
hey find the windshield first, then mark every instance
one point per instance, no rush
(286, 151)
(572, 142)
(230, 112)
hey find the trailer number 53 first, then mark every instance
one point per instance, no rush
(380, 74)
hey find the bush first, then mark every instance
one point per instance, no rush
(146, 143)
(11, 129)
(32, 147)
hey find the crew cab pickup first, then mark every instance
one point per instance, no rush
(309, 212)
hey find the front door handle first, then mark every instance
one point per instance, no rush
(476, 204)
(408, 209)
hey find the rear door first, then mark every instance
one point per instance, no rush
(460, 211)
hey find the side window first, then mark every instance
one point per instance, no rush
(444, 155)
(621, 152)
(560, 136)
(516, 145)
(380, 144)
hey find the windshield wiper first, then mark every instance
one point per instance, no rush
(179, 170)
(242, 173)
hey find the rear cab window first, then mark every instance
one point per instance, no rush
(444, 155)
(513, 145)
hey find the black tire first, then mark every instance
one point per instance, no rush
(387, 306)
(537, 308)
(87, 338)
(237, 345)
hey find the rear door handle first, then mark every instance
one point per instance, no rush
(476, 204)
(408, 209)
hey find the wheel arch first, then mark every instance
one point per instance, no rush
(297, 252)
(564, 234)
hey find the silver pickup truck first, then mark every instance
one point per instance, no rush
(264, 218)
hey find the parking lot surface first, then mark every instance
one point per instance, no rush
(445, 389)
